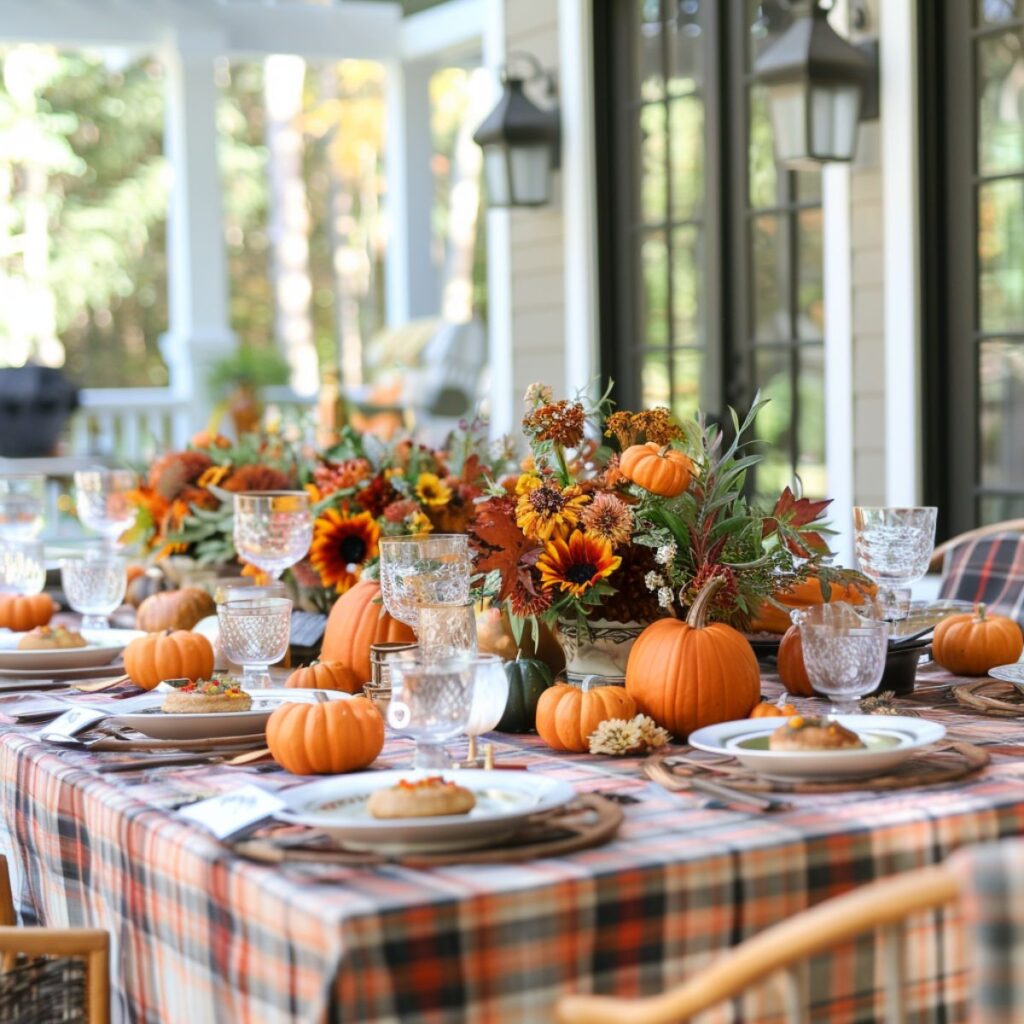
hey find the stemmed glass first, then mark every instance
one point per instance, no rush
(254, 634)
(446, 630)
(273, 529)
(94, 585)
(424, 569)
(101, 498)
(22, 500)
(844, 653)
(22, 568)
(894, 547)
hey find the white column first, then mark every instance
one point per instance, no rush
(411, 282)
(197, 283)
(579, 199)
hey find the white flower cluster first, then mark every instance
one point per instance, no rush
(618, 737)
(666, 554)
(665, 597)
(654, 581)
(538, 394)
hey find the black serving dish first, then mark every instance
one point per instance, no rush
(901, 668)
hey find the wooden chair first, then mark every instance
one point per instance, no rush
(46, 974)
(881, 906)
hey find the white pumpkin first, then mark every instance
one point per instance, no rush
(210, 628)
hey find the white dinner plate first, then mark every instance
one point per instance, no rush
(102, 647)
(147, 718)
(504, 802)
(889, 739)
(1009, 674)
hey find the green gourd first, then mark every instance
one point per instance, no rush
(527, 680)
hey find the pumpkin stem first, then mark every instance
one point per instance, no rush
(665, 450)
(979, 610)
(699, 609)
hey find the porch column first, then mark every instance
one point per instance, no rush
(200, 332)
(411, 282)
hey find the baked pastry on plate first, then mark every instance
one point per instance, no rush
(206, 697)
(424, 798)
(809, 732)
(51, 638)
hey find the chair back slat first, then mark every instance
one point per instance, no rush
(794, 984)
(894, 966)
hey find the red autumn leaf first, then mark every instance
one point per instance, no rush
(500, 544)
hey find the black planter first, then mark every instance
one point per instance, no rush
(35, 403)
(901, 669)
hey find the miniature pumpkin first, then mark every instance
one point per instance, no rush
(660, 469)
(971, 644)
(686, 675)
(766, 710)
(356, 621)
(792, 670)
(149, 660)
(325, 675)
(327, 737)
(144, 585)
(174, 609)
(22, 612)
(769, 619)
(528, 678)
(568, 716)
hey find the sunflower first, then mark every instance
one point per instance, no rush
(577, 565)
(432, 490)
(544, 510)
(342, 543)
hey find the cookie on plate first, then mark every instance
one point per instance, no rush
(809, 732)
(206, 697)
(51, 638)
(423, 798)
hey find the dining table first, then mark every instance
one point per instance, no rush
(201, 933)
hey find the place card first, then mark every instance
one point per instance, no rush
(71, 722)
(230, 814)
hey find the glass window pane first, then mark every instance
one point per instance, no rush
(764, 176)
(1001, 103)
(650, 54)
(653, 188)
(810, 297)
(686, 133)
(1001, 255)
(1001, 423)
(686, 41)
(655, 388)
(772, 376)
(811, 426)
(998, 12)
(771, 278)
(686, 287)
(654, 315)
(808, 186)
(994, 508)
(688, 389)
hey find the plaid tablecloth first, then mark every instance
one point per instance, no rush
(202, 936)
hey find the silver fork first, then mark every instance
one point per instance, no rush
(657, 772)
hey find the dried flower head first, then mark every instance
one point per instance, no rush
(341, 477)
(619, 736)
(609, 517)
(538, 394)
(559, 422)
(725, 599)
(648, 425)
(528, 599)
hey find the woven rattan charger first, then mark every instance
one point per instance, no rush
(990, 697)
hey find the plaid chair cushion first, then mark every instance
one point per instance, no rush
(989, 569)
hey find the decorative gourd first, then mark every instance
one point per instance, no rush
(149, 660)
(528, 678)
(769, 619)
(174, 609)
(356, 621)
(494, 636)
(327, 737)
(22, 612)
(568, 716)
(145, 584)
(971, 644)
(686, 675)
(660, 469)
(766, 710)
(325, 675)
(792, 670)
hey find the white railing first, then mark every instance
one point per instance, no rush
(128, 424)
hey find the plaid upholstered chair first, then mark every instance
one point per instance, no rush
(50, 975)
(986, 566)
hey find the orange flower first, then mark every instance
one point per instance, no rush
(213, 476)
(577, 565)
(259, 577)
(545, 510)
(342, 544)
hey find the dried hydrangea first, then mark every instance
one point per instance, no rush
(666, 554)
(619, 736)
(665, 597)
(654, 581)
(538, 394)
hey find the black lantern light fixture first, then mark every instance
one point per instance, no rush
(520, 140)
(820, 86)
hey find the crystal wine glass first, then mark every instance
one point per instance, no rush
(273, 529)
(94, 585)
(490, 694)
(844, 653)
(255, 634)
(894, 547)
(447, 630)
(424, 569)
(22, 568)
(22, 500)
(431, 701)
(101, 498)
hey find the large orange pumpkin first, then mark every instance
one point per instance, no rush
(792, 670)
(660, 469)
(22, 612)
(149, 660)
(356, 621)
(174, 609)
(769, 619)
(971, 644)
(325, 675)
(567, 716)
(328, 737)
(686, 675)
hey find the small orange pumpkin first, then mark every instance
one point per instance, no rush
(355, 622)
(174, 609)
(686, 675)
(660, 469)
(567, 716)
(22, 612)
(149, 660)
(325, 675)
(971, 644)
(327, 737)
(792, 670)
(769, 619)
(766, 710)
